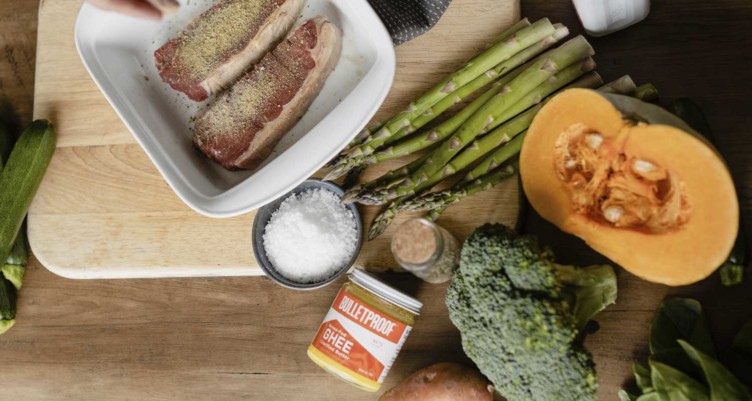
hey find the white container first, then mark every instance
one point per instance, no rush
(118, 53)
(602, 17)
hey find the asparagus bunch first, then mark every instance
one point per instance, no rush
(512, 49)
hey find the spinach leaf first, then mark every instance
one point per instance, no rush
(723, 385)
(642, 376)
(672, 385)
(625, 396)
(678, 359)
(680, 319)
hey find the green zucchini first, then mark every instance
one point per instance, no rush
(20, 179)
(19, 255)
(732, 271)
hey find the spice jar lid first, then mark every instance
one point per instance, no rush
(392, 295)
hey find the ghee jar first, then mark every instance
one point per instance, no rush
(363, 332)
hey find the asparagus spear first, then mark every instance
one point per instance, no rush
(493, 112)
(386, 180)
(363, 135)
(383, 220)
(444, 199)
(515, 125)
(624, 85)
(362, 154)
(523, 23)
(495, 159)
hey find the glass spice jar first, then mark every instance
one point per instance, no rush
(426, 250)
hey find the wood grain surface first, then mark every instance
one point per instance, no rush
(131, 224)
(245, 338)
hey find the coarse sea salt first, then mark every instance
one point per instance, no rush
(311, 236)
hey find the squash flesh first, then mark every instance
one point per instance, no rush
(614, 186)
(678, 210)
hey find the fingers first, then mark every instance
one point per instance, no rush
(134, 8)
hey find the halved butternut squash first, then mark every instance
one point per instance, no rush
(634, 181)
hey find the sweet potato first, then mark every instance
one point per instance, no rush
(442, 382)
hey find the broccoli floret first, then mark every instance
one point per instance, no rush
(522, 316)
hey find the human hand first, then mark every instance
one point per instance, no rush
(149, 9)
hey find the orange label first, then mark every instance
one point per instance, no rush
(360, 338)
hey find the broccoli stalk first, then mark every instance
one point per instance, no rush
(522, 316)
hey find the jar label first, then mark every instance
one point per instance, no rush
(360, 338)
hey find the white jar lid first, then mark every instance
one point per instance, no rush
(380, 289)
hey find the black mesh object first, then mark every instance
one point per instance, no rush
(408, 19)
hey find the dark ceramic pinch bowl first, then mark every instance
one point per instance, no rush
(262, 218)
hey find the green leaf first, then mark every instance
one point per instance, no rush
(678, 359)
(642, 376)
(724, 386)
(625, 396)
(672, 385)
(731, 274)
(680, 319)
(650, 397)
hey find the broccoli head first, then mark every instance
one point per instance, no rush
(522, 316)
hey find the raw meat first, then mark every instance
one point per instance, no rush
(240, 129)
(219, 45)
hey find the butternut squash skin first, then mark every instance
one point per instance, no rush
(680, 227)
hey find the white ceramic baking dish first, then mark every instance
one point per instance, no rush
(118, 53)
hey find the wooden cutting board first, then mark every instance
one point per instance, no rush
(104, 211)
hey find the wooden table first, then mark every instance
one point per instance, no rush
(244, 338)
